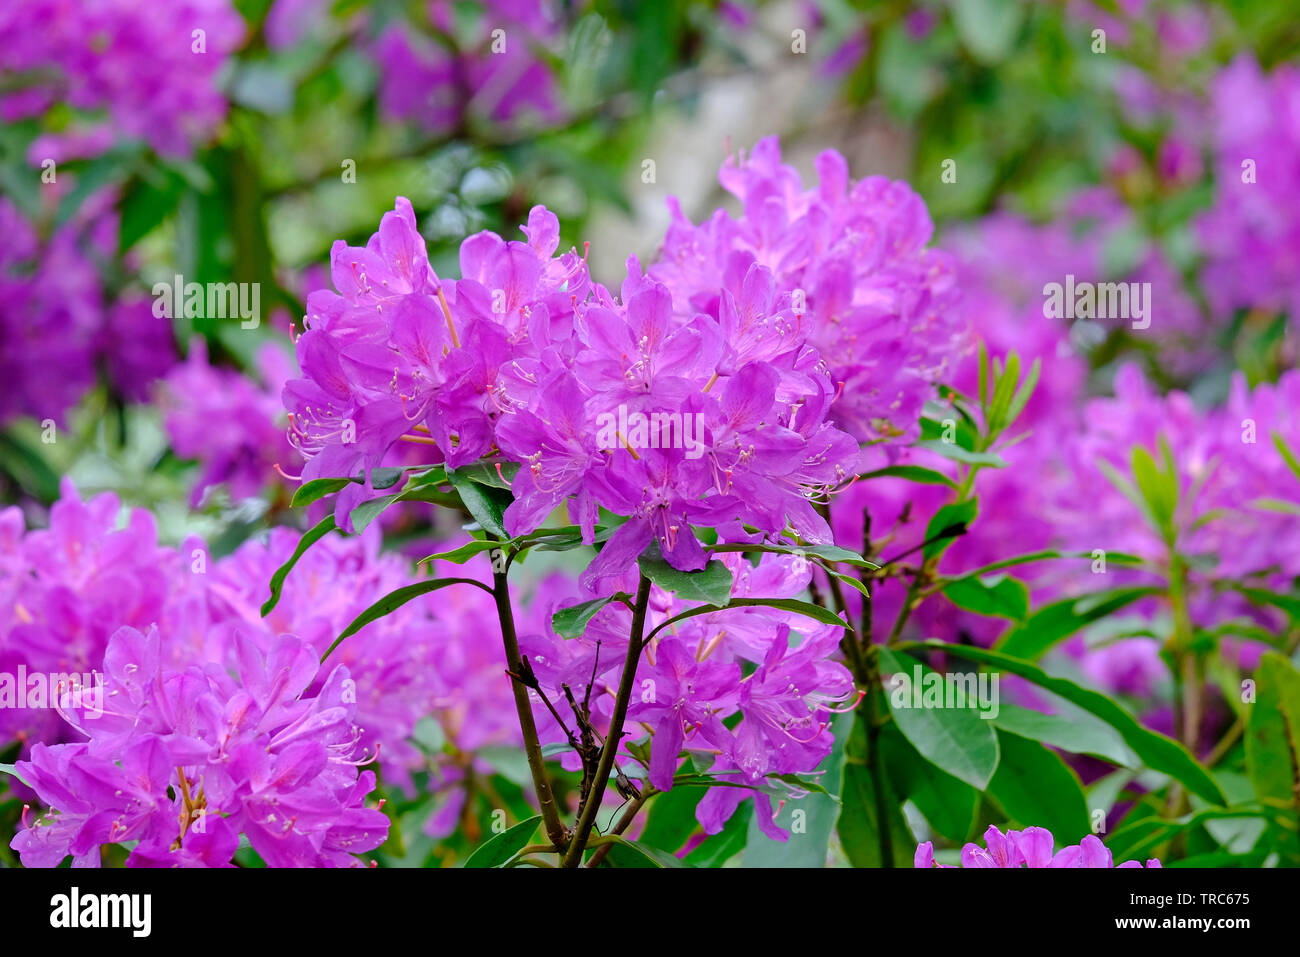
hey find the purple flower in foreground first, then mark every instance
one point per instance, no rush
(1031, 847)
(182, 762)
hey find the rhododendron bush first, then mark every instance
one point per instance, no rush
(915, 482)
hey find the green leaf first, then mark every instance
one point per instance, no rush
(504, 846)
(827, 553)
(1074, 733)
(948, 523)
(315, 534)
(316, 489)
(913, 473)
(1115, 558)
(819, 812)
(145, 205)
(1156, 751)
(816, 612)
(28, 468)
(486, 503)
(712, 584)
(462, 554)
(670, 821)
(988, 28)
(12, 769)
(572, 622)
(627, 853)
(486, 473)
(396, 599)
(1273, 732)
(946, 803)
(92, 175)
(415, 491)
(958, 740)
(859, 826)
(716, 849)
(998, 596)
(1288, 456)
(1025, 392)
(951, 450)
(1159, 489)
(381, 479)
(1259, 596)
(1136, 839)
(1035, 788)
(1055, 622)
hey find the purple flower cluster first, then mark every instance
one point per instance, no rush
(439, 74)
(71, 592)
(851, 258)
(665, 418)
(229, 422)
(1251, 236)
(130, 68)
(222, 754)
(446, 70)
(57, 328)
(1032, 847)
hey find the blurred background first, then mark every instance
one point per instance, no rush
(236, 140)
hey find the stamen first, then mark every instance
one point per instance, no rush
(446, 311)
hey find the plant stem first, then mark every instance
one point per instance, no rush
(532, 746)
(587, 819)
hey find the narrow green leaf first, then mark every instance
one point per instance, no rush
(1055, 622)
(396, 599)
(951, 450)
(315, 534)
(859, 825)
(807, 846)
(463, 553)
(913, 473)
(670, 821)
(1273, 732)
(816, 612)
